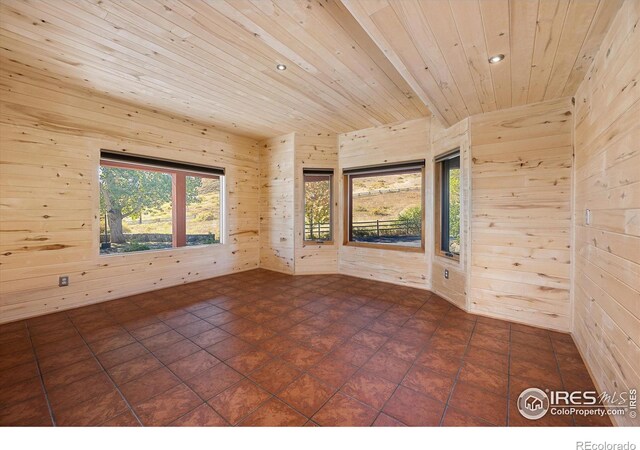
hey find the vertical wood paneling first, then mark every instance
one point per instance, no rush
(406, 141)
(521, 214)
(607, 251)
(454, 289)
(277, 205)
(315, 151)
(50, 141)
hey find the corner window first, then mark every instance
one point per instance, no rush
(148, 204)
(448, 167)
(384, 206)
(318, 195)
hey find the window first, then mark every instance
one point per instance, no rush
(148, 204)
(448, 167)
(318, 196)
(384, 206)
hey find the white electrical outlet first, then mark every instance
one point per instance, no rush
(587, 217)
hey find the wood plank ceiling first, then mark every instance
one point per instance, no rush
(442, 48)
(351, 64)
(214, 61)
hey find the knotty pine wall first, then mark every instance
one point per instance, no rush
(50, 141)
(315, 151)
(454, 289)
(277, 206)
(405, 141)
(521, 214)
(606, 320)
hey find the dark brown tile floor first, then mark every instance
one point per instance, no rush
(265, 349)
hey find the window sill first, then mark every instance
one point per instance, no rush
(400, 248)
(316, 243)
(158, 250)
(450, 258)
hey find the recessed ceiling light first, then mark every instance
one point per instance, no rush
(496, 59)
(281, 67)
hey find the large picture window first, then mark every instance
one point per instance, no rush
(448, 167)
(384, 206)
(318, 195)
(148, 204)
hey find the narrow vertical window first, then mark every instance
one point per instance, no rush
(318, 195)
(449, 189)
(148, 204)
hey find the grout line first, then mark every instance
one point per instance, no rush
(455, 380)
(107, 374)
(44, 388)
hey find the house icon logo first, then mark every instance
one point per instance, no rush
(533, 403)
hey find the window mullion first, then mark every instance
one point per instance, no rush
(179, 192)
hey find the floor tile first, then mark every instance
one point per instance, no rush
(202, 416)
(125, 419)
(229, 348)
(30, 413)
(485, 378)
(80, 391)
(345, 411)
(275, 375)
(121, 355)
(386, 366)
(213, 381)
(210, 337)
(479, 403)
(134, 368)
(301, 357)
(168, 406)
(193, 364)
(71, 373)
(92, 412)
(174, 352)
(429, 383)
(369, 388)
(384, 420)
(274, 413)
(238, 401)
(306, 394)
(20, 392)
(413, 408)
(247, 362)
(149, 385)
(456, 418)
(333, 371)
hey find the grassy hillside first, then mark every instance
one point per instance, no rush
(385, 198)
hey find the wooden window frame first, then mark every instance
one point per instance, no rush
(318, 172)
(348, 209)
(178, 200)
(441, 203)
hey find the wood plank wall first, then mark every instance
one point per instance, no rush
(277, 206)
(315, 151)
(50, 140)
(454, 289)
(606, 283)
(521, 214)
(400, 142)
